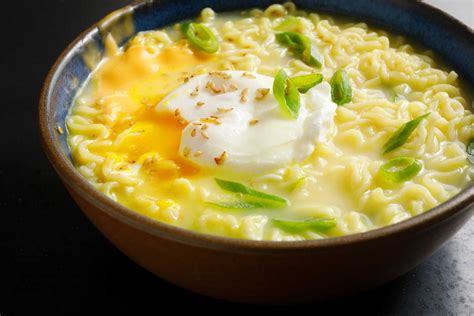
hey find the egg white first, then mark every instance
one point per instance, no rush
(253, 135)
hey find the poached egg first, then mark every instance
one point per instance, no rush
(232, 121)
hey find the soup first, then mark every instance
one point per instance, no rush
(273, 124)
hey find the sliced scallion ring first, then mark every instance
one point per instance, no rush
(289, 24)
(401, 135)
(260, 198)
(305, 82)
(241, 205)
(319, 225)
(200, 36)
(312, 56)
(341, 91)
(301, 46)
(286, 94)
(297, 184)
(400, 169)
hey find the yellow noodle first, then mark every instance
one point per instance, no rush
(392, 83)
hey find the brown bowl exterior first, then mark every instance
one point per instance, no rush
(254, 271)
(275, 276)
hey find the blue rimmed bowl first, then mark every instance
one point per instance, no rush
(260, 271)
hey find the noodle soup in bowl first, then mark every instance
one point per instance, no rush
(267, 155)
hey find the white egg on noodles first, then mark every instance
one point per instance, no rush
(234, 122)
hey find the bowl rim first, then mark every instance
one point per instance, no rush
(72, 179)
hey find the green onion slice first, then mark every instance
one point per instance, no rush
(317, 225)
(401, 135)
(400, 169)
(297, 184)
(289, 24)
(200, 36)
(235, 187)
(241, 205)
(470, 150)
(305, 82)
(312, 57)
(341, 91)
(301, 46)
(286, 94)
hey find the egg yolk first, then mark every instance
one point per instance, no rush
(129, 84)
(156, 132)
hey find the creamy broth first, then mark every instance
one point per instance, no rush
(130, 149)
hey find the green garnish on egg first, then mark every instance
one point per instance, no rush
(305, 82)
(286, 93)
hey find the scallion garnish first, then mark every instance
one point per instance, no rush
(265, 198)
(301, 46)
(286, 94)
(320, 225)
(241, 205)
(305, 82)
(402, 134)
(341, 91)
(200, 36)
(288, 25)
(400, 169)
(470, 150)
(295, 185)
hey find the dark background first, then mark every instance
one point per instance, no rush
(53, 261)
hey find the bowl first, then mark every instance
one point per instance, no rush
(259, 271)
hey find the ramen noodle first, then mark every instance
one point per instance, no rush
(203, 125)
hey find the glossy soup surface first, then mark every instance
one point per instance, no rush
(132, 136)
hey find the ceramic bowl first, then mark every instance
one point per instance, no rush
(261, 271)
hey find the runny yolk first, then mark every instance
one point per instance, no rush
(129, 84)
(159, 133)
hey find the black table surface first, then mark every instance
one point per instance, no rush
(55, 262)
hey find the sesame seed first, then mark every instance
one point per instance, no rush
(193, 132)
(212, 86)
(233, 87)
(177, 112)
(204, 127)
(195, 92)
(186, 79)
(204, 135)
(248, 75)
(197, 153)
(211, 120)
(197, 123)
(60, 130)
(199, 103)
(261, 93)
(253, 122)
(182, 121)
(220, 160)
(244, 95)
(186, 151)
(220, 74)
(224, 110)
